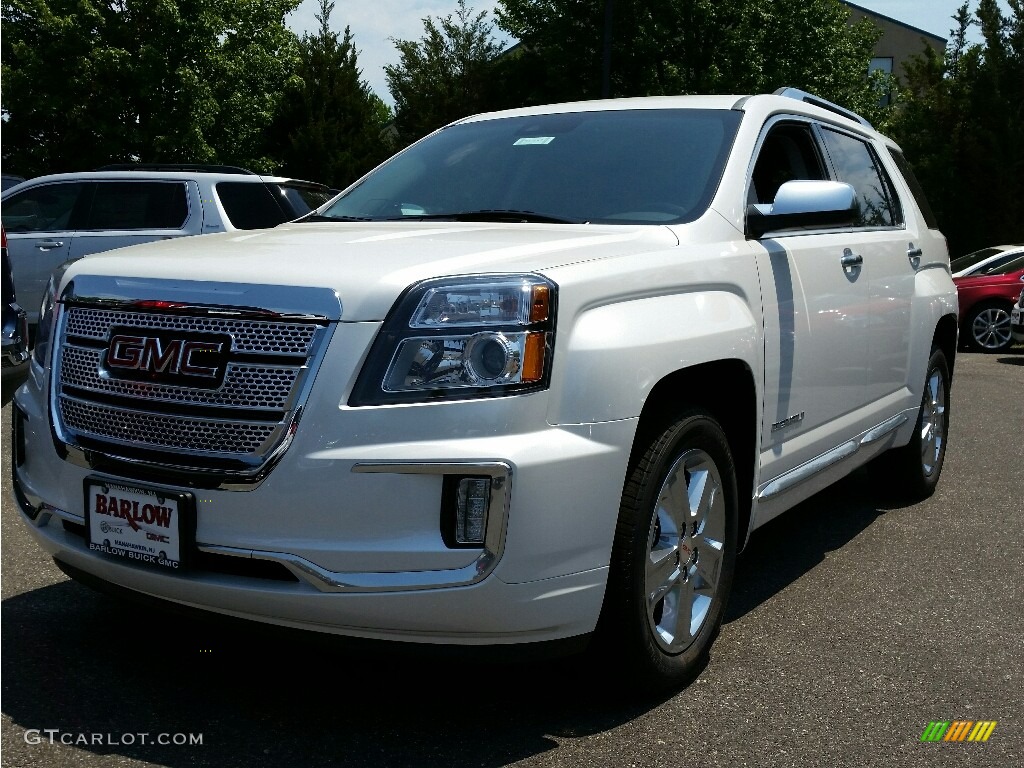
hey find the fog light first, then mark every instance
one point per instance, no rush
(471, 501)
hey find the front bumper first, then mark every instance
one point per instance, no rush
(343, 535)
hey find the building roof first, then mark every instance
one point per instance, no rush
(890, 20)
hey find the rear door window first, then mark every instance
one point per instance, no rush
(126, 205)
(856, 164)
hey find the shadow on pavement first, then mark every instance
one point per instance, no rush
(80, 662)
(791, 545)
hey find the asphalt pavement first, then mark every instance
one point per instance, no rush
(855, 622)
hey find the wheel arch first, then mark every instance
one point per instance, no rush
(724, 388)
(945, 338)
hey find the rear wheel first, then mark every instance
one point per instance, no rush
(674, 554)
(915, 468)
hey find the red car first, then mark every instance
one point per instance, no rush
(986, 300)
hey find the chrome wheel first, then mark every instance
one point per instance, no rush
(990, 329)
(933, 422)
(674, 554)
(685, 547)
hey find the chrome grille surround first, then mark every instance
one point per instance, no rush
(227, 434)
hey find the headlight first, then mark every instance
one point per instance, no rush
(464, 337)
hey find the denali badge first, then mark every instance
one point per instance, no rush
(795, 419)
(197, 360)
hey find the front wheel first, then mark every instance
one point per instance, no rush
(674, 554)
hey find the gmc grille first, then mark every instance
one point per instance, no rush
(145, 405)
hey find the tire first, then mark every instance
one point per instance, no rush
(988, 328)
(914, 469)
(673, 556)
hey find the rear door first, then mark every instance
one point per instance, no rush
(890, 249)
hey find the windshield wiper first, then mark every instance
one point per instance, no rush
(315, 217)
(490, 214)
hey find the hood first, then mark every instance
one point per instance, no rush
(370, 264)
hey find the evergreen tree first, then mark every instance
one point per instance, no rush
(961, 123)
(447, 74)
(330, 124)
(664, 47)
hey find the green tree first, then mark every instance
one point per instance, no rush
(809, 45)
(662, 47)
(329, 124)
(445, 75)
(91, 81)
(960, 123)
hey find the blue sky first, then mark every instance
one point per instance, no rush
(375, 23)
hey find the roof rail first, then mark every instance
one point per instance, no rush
(810, 98)
(173, 167)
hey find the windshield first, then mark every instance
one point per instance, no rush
(631, 166)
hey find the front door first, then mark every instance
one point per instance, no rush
(40, 228)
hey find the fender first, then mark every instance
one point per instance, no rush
(618, 352)
(931, 302)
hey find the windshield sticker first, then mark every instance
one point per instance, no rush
(532, 140)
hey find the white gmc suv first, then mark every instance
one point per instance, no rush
(536, 378)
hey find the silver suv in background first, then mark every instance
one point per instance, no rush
(53, 219)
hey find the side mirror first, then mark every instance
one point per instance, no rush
(804, 205)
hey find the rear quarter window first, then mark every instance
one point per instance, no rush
(915, 187)
(250, 206)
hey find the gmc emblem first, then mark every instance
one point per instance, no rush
(196, 361)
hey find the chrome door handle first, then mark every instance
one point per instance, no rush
(49, 245)
(851, 259)
(914, 255)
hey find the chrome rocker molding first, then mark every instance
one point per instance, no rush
(804, 472)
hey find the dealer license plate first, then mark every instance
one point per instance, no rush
(140, 525)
